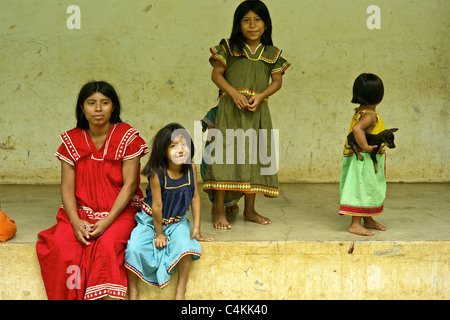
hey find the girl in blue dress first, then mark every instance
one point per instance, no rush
(162, 237)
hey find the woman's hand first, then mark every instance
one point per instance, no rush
(99, 227)
(81, 229)
(161, 241)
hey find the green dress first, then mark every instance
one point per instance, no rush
(362, 191)
(247, 165)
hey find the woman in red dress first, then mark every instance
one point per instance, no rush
(82, 256)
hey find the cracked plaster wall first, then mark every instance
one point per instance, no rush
(156, 54)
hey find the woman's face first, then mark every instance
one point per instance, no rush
(178, 151)
(98, 109)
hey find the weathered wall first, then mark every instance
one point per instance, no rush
(155, 52)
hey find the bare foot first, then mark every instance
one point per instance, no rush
(360, 230)
(180, 294)
(133, 295)
(256, 217)
(372, 224)
(233, 209)
(221, 223)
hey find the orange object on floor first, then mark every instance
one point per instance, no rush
(8, 227)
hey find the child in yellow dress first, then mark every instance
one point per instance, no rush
(362, 191)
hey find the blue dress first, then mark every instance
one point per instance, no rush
(153, 265)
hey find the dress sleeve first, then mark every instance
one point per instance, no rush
(63, 154)
(136, 148)
(359, 114)
(280, 66)
(219, 53)
(209, 119)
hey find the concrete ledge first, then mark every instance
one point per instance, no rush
(303, 254)
(278, 270)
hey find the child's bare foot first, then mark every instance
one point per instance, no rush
(233, 209)
(372, 224)
(357, 228)
(180, 294)
(133, 295)
(221, 223)
(360, 230)
(252, 215)
(220, 218)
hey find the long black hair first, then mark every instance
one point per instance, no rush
(88, 90)
(158, 162)
(237, 39)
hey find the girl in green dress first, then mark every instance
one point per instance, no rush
(242, 69)
(362, 190)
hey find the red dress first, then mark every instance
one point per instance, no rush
(70, 269)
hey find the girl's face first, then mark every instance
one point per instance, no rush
(178, 151)
(98, 109)
(252, 27)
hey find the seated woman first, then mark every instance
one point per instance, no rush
(82, 256)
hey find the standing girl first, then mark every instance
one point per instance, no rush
(208, 123)
(82, 256)
(162, 239)
(362, 191)
(242, 69)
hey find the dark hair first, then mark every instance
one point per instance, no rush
(88, 90)
(158, 162)
(367, 89)
(237, 39)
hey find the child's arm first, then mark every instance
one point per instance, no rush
(366, 121)
(274, 86)
(217, 77)
(70, 203)
(160, 240)
(130, 174)
(196, 204)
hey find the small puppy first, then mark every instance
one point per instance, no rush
(386, 136)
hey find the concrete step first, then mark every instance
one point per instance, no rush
(306, 253)
(278, 270)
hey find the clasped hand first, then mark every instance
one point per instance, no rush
(251, 104)
(85, 230)
(161, 241)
